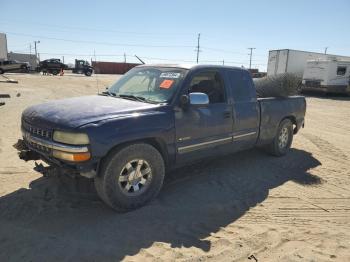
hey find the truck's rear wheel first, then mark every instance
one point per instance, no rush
(54, 72)
(283, 139)
(130, 177)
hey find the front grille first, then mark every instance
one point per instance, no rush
(40, 132)
(39, 147)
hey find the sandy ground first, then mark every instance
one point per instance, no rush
(243, 207)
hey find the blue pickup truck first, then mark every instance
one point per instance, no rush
(155, 118)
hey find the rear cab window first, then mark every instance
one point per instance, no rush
(242, 87)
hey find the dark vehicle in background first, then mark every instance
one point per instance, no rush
(13, 66)
(82, 67)
(155, 118)
(51, 66)
(54, 66)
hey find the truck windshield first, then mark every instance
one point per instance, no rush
(149, 84)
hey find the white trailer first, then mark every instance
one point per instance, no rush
(327, 75)
(294, 61)
(3, 47)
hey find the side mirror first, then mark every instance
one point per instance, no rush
(197, 98)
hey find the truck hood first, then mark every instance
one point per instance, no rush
(78, 111)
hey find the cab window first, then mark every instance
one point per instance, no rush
(210, 83)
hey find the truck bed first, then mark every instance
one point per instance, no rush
(273, 110)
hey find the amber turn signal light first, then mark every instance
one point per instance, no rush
(73, 157)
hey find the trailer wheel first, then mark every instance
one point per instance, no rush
(88, 73)
(130, 177)
(1, 71)
(54, 72)
(283, 139)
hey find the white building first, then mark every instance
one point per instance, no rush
(30, 58)
(3, 47)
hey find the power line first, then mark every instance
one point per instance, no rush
(89, 29)
(221, 50)
(71, 54)
(100, 43)
(198, 47)
(151, 58)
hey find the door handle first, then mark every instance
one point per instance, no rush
(227, 114)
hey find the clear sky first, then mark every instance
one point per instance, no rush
(166, 31)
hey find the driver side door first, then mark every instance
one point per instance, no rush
(203, 129)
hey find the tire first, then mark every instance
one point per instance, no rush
(88, 73)
(283, 139)
(121, 186)
(54, 72)
(1, 71)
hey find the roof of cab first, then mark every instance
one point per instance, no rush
(190, 66)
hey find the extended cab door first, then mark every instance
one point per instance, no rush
(202, 129)
(246, 116)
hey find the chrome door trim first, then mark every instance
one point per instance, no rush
(202, 145)
(244, 135)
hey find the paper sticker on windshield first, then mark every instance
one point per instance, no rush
(167, 83)
(170, 75)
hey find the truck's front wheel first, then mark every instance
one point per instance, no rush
(88, 73)
(283, 139)
(130, 177)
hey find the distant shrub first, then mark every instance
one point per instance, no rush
(282, 85)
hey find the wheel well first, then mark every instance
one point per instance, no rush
(155, 142)
(294, 122)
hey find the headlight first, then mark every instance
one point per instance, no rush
(71, 138)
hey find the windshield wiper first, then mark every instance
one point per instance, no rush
(107, 93)
(137, 98)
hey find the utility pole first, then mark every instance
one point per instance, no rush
(197, 49)
(63, 59)
(36, 52)
(325, 50)
(251, 54)
(223, 62)
(124, 58)
(30, 49)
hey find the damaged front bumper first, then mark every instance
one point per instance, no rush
(33, 148)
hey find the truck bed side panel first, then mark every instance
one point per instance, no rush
(274, 110)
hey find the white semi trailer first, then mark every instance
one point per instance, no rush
(294, 61)
(3, 47)
(327, 75)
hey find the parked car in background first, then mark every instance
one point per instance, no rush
(13, 66)
(52, 66)
(82, 67)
